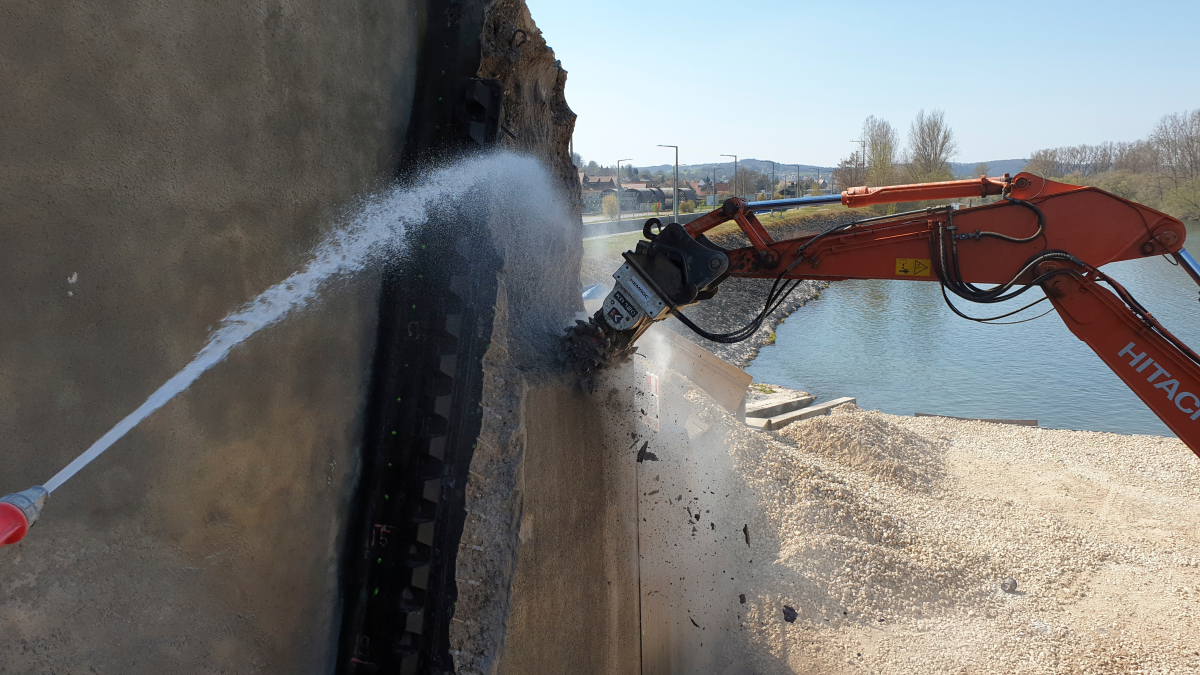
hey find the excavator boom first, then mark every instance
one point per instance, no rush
(1038, 233)
(1089, 223)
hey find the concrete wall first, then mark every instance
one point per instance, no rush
(574, 595)
(179, 158)
(547, 566)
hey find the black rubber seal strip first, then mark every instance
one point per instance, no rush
(423, 413)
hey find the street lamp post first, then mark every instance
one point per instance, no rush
(797, 180)
(627, 159)
(675, 196)
(863, 157)
(735, 176)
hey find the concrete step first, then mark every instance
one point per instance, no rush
(772, 407)
(780, 421)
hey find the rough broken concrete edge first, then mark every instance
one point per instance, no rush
(494, 506)
(539, 123)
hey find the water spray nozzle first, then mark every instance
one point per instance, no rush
(19, 511)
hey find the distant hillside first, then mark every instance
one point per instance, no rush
(996, 167)
(725, 169)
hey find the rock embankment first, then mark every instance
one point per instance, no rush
(741, 300)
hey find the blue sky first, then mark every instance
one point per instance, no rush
(793, 81)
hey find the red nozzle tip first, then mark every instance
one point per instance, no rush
(13, 525)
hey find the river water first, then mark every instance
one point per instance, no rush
(896, 347)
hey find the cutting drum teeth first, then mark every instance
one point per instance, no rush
(591, 346)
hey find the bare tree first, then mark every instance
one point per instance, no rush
(1177, 137)
(1136, 157)
(931, 146)
(849, 172)
(981, 169)
(751, 181)
(882, 145)
(1162, 171)
(1044, 163)
(1092, 160)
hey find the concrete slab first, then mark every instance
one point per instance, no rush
(693, 550)
(780, 421)
(574, 606)
(725, 382)
(775, 406)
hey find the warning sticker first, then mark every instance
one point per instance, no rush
(912, 267)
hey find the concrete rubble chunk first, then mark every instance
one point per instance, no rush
(780, 421)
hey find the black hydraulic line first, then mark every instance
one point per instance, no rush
(775, 298)
(1013, 323)
(777, 295)
(999, 293)
(839, 228)
(943, 266)
(950, 273)
(993, 319)
(1144, 314)
(947, 266)
(978, 234)
(746, 331)
(751, 328)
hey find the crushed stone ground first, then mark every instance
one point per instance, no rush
(891, 537)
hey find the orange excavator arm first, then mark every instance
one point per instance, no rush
(1040, 232)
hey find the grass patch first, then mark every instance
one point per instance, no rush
(788, 219)
(610, 247)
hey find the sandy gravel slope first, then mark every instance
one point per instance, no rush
(890, 537)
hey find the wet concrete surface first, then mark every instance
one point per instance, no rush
(164, 162)
(574, 594)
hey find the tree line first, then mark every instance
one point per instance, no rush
(882, 160)
(1161, 171)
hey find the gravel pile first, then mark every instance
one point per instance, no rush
(870, 443)
(891, 536)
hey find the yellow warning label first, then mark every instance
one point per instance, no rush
(912, 267)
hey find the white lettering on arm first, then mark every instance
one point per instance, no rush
(1129, 350)
(1170, 386)
(1158, 370)
(1183, 395)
